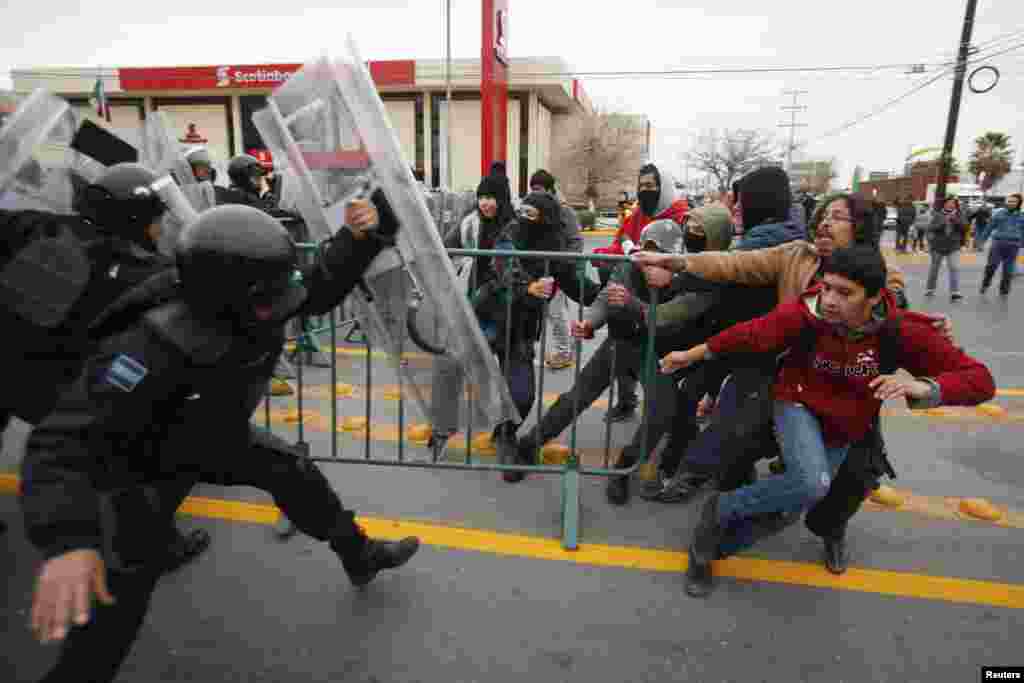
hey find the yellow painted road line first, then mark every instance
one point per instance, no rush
(880, 582)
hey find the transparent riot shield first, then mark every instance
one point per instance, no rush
(40, 165)
(330, 124)
(164, 154)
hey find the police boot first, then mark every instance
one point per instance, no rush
(362, 557)
(703, 549)
(617, 489)
(835, 554)
(184, 548)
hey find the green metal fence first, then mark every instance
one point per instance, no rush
(316, 334)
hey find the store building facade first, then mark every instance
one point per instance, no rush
(213, 104)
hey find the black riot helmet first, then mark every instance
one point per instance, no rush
(124, 201)
(202, 164)
(245, 171)
(237, 264)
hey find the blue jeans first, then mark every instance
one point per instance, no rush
(810, 466)
(953, 261)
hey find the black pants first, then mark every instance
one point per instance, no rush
(94, 652)
(705, 379)
(595, 377)
(741, 431)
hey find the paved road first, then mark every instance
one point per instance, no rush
(491, 597)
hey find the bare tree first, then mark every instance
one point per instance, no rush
(729, 154)
(599, 150)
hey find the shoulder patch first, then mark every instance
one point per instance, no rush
(125, 373)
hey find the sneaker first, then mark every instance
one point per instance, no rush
(956, 297)
(930, 292)
(376, 556)
(681, 489)
(622, 412)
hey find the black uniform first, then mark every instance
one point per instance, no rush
(160, 405)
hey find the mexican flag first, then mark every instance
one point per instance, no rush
(99, 100)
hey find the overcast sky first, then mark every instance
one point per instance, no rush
(639, 35)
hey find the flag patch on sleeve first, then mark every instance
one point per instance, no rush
(125, 373)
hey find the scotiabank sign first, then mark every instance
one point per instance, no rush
(390, 73)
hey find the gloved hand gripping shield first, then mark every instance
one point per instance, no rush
(330, 124)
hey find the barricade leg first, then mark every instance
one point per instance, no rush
(571, 506)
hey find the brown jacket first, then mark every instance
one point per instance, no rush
(790, 267)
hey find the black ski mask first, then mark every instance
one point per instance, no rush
(649, 198)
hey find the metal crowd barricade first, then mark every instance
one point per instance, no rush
(570, 472)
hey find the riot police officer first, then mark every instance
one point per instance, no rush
(173, 394)
(115, 235)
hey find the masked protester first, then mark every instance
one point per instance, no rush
(947, 234)
(766, 205)
(657, 199)
(1007, 234)
(558, 313)
(510, 306)
(178, 382)
(827, 395)
(622, 306)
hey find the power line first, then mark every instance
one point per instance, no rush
(91, 73)
(921, 86)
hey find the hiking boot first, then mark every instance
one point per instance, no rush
(835, 555)
(374, 556)
(617, 489)
(185, 548)
(622, 412)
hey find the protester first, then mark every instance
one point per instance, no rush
(828, 391)
(657, 199)
(946, 236)
(1007, 234)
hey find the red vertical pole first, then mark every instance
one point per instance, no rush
(494, 84)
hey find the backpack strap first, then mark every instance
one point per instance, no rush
(889, 345)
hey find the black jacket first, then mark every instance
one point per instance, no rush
(106, 435)
(40, 360)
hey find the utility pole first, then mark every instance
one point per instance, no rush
(946, 160)
(448, 94)
(792, 125)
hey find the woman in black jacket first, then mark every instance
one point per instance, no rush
(946, 235)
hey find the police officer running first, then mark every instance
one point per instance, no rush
(169, 397)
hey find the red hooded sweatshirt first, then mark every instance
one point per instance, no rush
(832, 380)
(632, 227)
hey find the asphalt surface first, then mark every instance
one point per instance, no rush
(255, 608)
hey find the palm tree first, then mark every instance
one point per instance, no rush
(992, 157)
